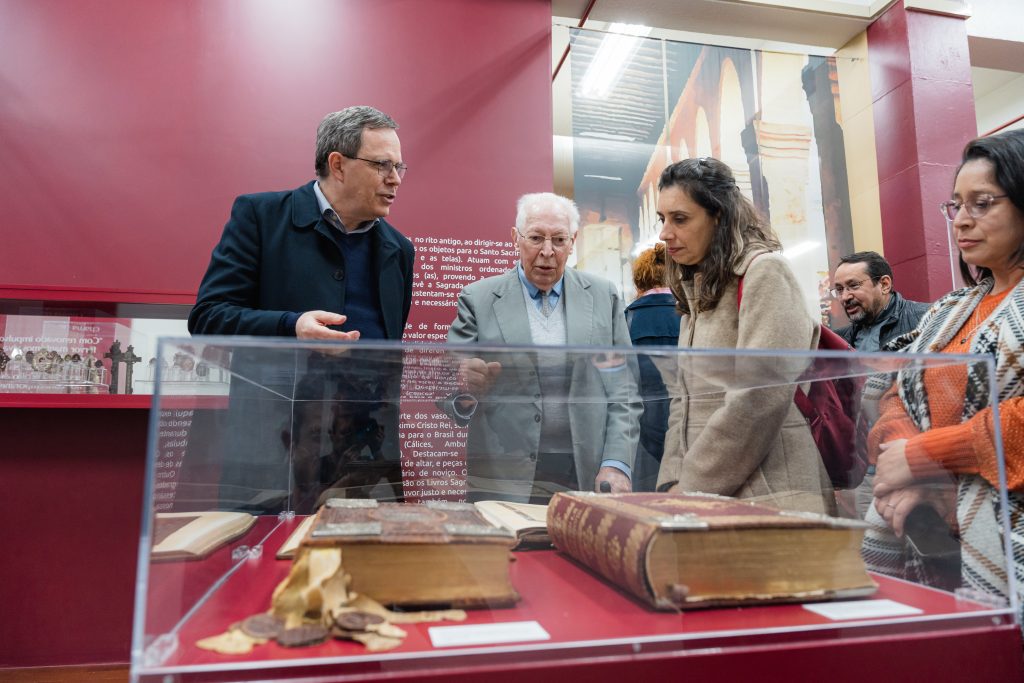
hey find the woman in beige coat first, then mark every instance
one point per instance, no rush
(724, 438)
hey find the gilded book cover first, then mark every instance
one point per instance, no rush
(677, 551)
(405, 554)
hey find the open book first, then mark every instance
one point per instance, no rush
(193, 535)
(527, 521)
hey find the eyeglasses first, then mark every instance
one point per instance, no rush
(384, 167)
(558, 242)
(837, 291)
(976, 208)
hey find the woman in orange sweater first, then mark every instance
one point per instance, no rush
(940, 427)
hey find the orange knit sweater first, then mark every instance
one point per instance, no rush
(961, 447)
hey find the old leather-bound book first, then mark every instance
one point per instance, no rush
(437, 553)
(678, 551)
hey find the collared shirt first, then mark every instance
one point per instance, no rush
(332, 217)
(554, 295)
(533, 292)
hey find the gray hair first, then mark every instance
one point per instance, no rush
(536, 202)
(342, 132)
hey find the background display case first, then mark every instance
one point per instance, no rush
(373, 423)
(68, 347)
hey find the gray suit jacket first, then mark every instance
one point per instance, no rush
(504, 432)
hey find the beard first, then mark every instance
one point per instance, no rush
(865, 314)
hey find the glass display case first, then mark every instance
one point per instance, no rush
(332, 512)
(88, 347)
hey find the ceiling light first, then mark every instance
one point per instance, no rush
(611, 58)
(607, 136)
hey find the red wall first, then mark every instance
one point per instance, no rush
(127, 128)
(924, 114)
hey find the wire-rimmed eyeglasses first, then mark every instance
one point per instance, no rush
(558, 242)
(976, 208)
(837, 291)
(384, 166)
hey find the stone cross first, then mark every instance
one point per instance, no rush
(129, 359)
(115, 356)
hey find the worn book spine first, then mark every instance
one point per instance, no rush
(612, 544)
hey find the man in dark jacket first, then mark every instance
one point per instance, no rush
(877, 313)
(320, 261)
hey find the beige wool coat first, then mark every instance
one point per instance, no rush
(733, 427)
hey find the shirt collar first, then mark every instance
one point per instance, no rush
(328, 212)
(533, 290)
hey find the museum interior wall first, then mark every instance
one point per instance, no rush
(123, 149)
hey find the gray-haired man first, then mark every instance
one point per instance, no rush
(581, 428)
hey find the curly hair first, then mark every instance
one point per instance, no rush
(649, 268)
(739, 229)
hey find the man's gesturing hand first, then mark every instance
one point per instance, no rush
(313, 325)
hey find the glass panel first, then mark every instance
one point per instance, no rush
(365, 432)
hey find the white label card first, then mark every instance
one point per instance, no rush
(861, 609)
(486, 634)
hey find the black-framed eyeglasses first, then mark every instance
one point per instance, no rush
(384, 166)
(976, 208)
(837, 291)
(558, 242)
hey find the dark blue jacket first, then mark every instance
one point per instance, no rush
(278, 255)
(653, 321)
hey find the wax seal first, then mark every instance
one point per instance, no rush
(356, 621)
(301, 636)
(263, 626)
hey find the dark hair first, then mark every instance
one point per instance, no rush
(739, 229)
(1005, 152)
(649, 268)
(342, 132)
(876, 265)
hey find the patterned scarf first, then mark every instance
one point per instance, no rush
(1000, 336)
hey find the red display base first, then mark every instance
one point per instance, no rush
(595, 632)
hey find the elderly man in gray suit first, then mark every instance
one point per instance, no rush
(546, 419)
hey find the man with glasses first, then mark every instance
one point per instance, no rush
(320, 261)
(579, 428)
(878, 314)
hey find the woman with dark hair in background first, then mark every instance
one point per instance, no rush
(938, 425)
(742, 442)
(653, 321)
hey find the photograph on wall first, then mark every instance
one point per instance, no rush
(640, 104)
